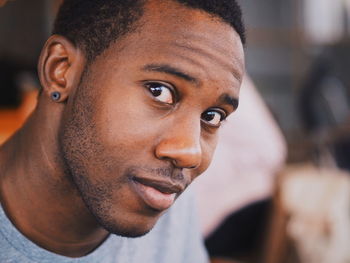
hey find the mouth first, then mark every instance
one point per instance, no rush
(159, 195)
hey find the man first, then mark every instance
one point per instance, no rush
(133, 95)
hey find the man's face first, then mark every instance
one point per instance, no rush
(143, 122)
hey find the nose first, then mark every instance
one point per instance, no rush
(181, 145)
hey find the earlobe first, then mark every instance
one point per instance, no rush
(60, 66)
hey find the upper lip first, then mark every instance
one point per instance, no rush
(163, 186)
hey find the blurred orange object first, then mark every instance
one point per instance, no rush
(2, 2)
(12, 119)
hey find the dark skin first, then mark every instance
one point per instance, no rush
(149, 107)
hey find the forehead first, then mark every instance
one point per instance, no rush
(169, 32)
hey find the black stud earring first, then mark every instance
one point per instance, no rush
(55, 96)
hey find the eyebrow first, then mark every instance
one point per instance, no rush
(164, 68)
(227, 99)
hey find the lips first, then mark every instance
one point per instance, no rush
(159, 195)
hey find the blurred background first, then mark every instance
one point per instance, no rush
(285, 41)
(297, 57)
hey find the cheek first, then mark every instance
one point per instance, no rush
(125, 120)
(208, 148)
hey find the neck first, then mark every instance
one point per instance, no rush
(48, 208)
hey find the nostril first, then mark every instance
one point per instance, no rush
(182, 164)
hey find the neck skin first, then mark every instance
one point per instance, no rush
(38, 196)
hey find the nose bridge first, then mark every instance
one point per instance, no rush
(181, 143)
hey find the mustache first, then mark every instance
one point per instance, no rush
(174, 175)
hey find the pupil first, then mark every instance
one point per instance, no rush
(208, 116)
(156, 91)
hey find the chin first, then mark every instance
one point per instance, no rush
(120, 221)
(128, 232)
(131, 228)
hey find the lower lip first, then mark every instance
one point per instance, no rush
(154, 198)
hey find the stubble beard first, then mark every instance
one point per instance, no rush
(78, 147)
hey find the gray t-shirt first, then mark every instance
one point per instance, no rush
(174, 239)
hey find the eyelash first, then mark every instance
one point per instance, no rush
(171, 87)
(223, 116)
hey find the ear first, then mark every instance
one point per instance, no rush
(60, 67)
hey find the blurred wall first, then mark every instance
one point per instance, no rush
(274, 58)
(23, 30)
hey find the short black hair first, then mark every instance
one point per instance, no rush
(94, 24)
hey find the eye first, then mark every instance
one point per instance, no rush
(213, 117)
(161, 92)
